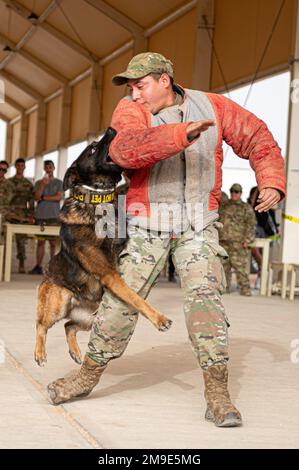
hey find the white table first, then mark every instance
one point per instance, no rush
(12, 229)
(263, 243)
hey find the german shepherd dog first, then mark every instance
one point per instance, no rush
(74, 280)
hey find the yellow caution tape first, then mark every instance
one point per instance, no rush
(291, 218)
(274, 237)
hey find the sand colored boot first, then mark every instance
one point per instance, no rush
(220, 409)
(77, 384)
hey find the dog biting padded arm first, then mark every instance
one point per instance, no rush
(137, 144)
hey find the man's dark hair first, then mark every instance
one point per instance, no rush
(3, 162)
(156, 76)
(48, 162)
(20, 160)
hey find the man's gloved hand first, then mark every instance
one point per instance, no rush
(268, 198)
(195, 128)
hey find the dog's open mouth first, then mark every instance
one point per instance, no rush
(109, 161)
(109, 165)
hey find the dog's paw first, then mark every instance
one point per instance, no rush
(164, 324)
(40, 359)
(76, 357)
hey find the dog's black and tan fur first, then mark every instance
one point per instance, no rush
(72, 286)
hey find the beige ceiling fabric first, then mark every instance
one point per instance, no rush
(71, 49)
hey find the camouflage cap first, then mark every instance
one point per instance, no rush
(143, 64)
(236, 187)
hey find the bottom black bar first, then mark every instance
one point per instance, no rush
(144, 458)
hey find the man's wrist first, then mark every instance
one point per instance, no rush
(281, 193)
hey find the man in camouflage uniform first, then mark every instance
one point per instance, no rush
(21, 208)
(165, 137)
(6, 193)
(237, 233)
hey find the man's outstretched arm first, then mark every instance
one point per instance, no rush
(138, 145)
(251, 139)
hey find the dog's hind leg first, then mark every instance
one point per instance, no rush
(53, 302)
(71, 330)
(81, 317)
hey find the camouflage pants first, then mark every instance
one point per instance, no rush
(197, 258)
(238, 260)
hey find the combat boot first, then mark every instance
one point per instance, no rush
(246, 291)
(220, 409)
(77, 384)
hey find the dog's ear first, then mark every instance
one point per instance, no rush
(71, 177)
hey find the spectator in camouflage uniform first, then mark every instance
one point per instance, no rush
(6, 192)
(21, 208)
(239, 222)
(171, 140)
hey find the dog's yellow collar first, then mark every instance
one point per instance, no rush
(95, 197)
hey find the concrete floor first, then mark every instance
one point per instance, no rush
(152, 397)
